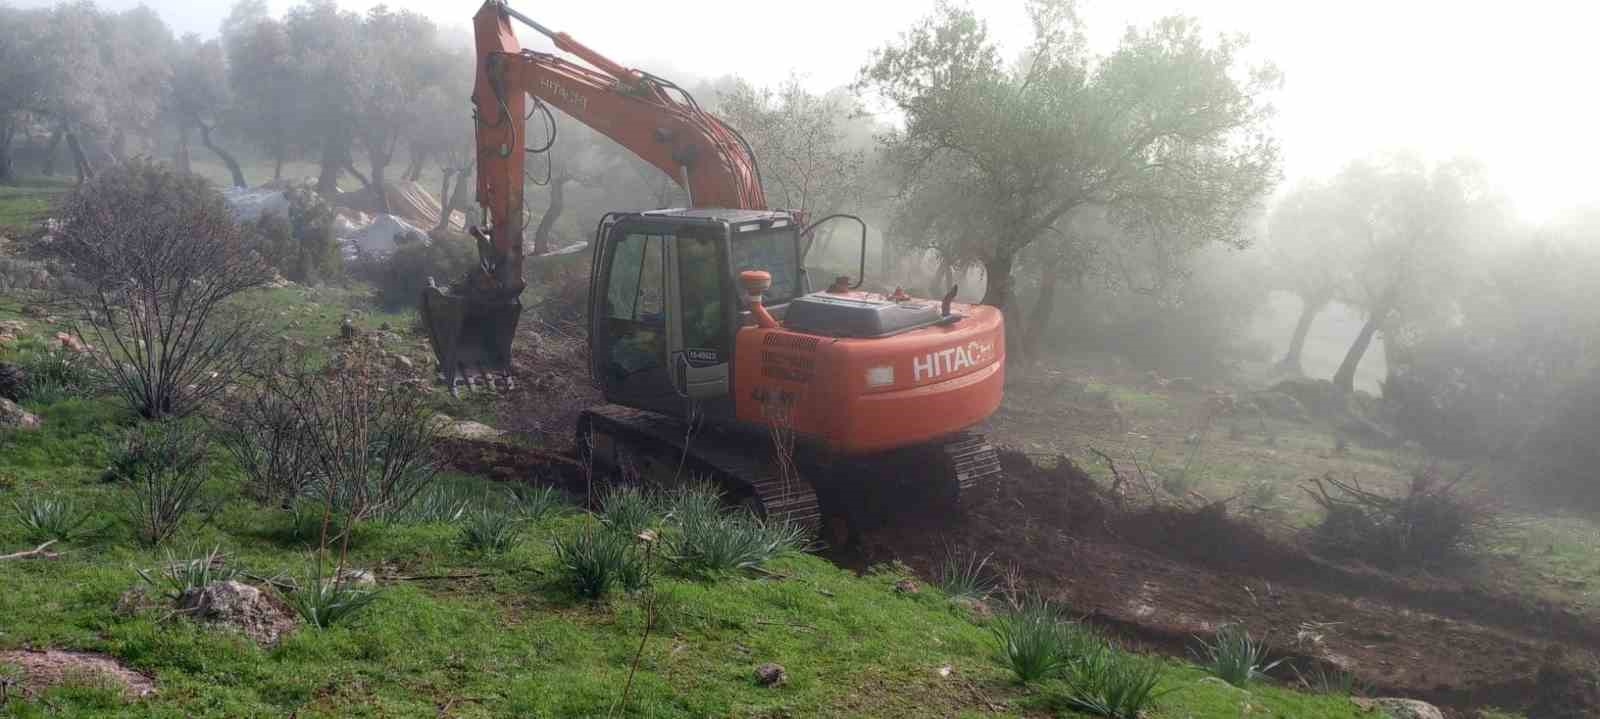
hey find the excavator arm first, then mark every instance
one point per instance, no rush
(651, 117)
(471, 323)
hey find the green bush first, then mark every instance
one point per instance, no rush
(1036, 644)
(1110, 683)
(594, 559)
(1234, 657)
(301, 246)
(49, 518)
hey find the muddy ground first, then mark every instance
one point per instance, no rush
(1160, 577)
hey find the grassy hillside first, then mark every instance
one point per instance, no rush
(461, 633)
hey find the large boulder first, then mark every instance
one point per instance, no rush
(13, 416)
(238, 605)
(1401, 708)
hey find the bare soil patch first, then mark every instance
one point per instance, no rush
(52, 667)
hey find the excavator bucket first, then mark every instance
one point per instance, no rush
(469, 336)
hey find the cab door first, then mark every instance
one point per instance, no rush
(700, 311)
(631, 319)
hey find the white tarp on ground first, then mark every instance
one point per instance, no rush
(249, 204)
(378, 238)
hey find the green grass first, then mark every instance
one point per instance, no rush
(508, 640)
(28, 202)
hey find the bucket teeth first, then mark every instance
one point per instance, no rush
(469, 334)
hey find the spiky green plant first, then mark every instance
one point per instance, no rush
(1234, 657)
(442, 502)
(45, 517)
(710, 540)
(490, 530)
(325, 601)
(1323, 680)
(537, 502)
(1111, 683)
(593, 559)
(178, 576)
(1035, 643)
(627, 509)
(964, 575)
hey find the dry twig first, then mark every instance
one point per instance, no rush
(40, 551)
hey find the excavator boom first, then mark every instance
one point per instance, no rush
(471, 323)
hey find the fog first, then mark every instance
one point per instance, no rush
(1365, 194)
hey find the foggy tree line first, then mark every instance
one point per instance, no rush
(318, 83)
(1126, 201)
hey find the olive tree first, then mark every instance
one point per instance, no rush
(1311, 242)
(1004, 151)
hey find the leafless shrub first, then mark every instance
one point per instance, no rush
(159, 258)
(163, 466)
(372, 444)
(1435, 520)
(271, 443)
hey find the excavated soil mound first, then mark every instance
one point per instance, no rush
(1160, 577)
(52, 667)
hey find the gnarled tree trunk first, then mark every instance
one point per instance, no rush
(419, 159)
(227, 159)
(1044, 307)
(1345, 378)
(180, 152)
(80, 161)
(8, 132)
(1310, 307)
(49, 167)
(335, 154)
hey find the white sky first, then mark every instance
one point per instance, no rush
(1511, 83)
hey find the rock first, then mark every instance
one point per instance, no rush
(1281, 406)
(770, 675)
(905, 586)
(402, 362)
(13, 327)
(238, 605)
(1400, 708)
(71, 343)
(12, 380)
(466, 429)
(34, 311)
(15, 417)
(356, 577)
(131, 601)
(978, 609)
(39, 279)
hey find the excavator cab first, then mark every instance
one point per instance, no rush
(663, 300)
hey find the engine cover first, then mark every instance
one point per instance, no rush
(832, 315)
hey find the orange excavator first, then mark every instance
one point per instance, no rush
(715, 357)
